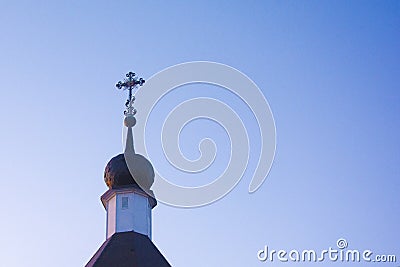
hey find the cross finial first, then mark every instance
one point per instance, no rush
(130, 83)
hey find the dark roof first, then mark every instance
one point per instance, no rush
(128, 249)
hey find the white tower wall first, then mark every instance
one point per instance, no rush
(127, 209)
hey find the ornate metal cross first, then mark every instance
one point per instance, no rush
(129, 83)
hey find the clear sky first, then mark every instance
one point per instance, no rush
(329, 69)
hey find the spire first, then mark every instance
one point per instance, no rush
(128, 202)
(129, 177)
(129, 122)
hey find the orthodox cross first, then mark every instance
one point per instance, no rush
(130, 83)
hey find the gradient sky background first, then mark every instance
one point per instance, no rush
(329, 69)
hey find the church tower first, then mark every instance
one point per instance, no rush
(128, 202)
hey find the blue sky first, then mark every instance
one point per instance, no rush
(329, 69)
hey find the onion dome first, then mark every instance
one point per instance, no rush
(117, 174)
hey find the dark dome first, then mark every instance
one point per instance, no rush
(116, 173)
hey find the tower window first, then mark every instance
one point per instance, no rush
(124, 202)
